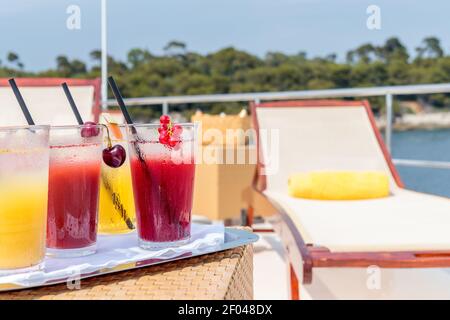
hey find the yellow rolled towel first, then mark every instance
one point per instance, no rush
(339, 185)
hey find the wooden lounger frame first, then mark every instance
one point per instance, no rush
(56, 82)
(313, 256)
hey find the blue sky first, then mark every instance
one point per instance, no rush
(37, 31)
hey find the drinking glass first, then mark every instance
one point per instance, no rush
(74, 183)
(24, 158)
(163, 182)
(116, 211)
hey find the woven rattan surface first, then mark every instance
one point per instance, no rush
(222, 275)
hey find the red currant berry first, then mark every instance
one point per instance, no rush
(173, 141)
(164, 119)
(163, 132)
(164, 139)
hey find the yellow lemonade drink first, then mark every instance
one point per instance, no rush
(23, 219)
(24, 160)
(116, 208)
(116, 212)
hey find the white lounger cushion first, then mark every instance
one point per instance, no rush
(320, 138)
(405, 221)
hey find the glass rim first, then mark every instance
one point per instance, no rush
(157, 125)
(75, 126)
(25, 127)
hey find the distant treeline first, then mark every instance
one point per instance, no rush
(181, 72)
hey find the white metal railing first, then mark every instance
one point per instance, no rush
(286, 95)
(389, 92)
(422, 163)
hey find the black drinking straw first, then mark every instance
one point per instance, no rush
(125, 113)
(72, 103)
(128, 120)
(22, 104)
(119, 99)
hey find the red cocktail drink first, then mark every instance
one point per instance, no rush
(72, 210)
(73, 193)
(163, 199)
(163, 182)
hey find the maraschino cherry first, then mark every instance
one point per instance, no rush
(113, 156)
(90, 129)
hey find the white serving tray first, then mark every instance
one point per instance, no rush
(120, 252)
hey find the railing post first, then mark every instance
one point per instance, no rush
(388, 130)
(104, 57)
(165, 108)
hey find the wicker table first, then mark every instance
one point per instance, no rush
(223, 275)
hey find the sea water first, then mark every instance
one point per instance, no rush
(423, 145)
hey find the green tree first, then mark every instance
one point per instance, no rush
(175, 48)
(392, 50)
(181, 72)
(13, 58)
(63, 65)
(364, 53)
(138, 56)
(431, 48)
(229, 60)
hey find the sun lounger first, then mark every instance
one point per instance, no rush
(47, 102)
(405, 230)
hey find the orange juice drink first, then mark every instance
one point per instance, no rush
(24, 159)
(116, 208)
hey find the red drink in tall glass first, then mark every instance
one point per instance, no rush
(163, 182)
(72, 210)
(73, 192)
(163, 199)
